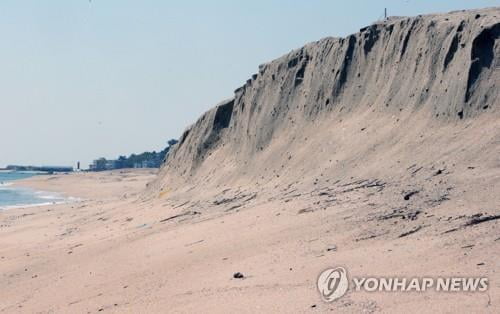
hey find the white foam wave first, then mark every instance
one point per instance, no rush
(45, 199)
(48, 195)
(31, 205)
(67, 200)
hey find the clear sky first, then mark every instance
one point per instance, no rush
(84, 79)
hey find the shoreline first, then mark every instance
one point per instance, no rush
(29, 197)
(26, 206)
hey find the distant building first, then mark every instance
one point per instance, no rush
(144, 160)
(103, 164)
(152, 163)
(98, 165)
(111, 164)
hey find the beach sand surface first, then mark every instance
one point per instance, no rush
(115, 252)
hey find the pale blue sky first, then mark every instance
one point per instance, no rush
(81, 80)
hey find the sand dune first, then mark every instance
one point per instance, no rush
(394, 78)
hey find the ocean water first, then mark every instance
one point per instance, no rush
(14, 196)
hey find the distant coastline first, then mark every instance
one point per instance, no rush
(49, 169)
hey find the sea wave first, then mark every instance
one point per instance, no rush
(67, 200)
(20, 197)
(30, 205)
(48, 195)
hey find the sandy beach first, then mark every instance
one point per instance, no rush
(114, 252)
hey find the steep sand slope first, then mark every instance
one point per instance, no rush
(429, 72)
(392, 133)
(401, 118)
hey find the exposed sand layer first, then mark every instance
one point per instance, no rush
(375, 94)
(377, 152)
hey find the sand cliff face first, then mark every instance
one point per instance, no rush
(433, 70)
